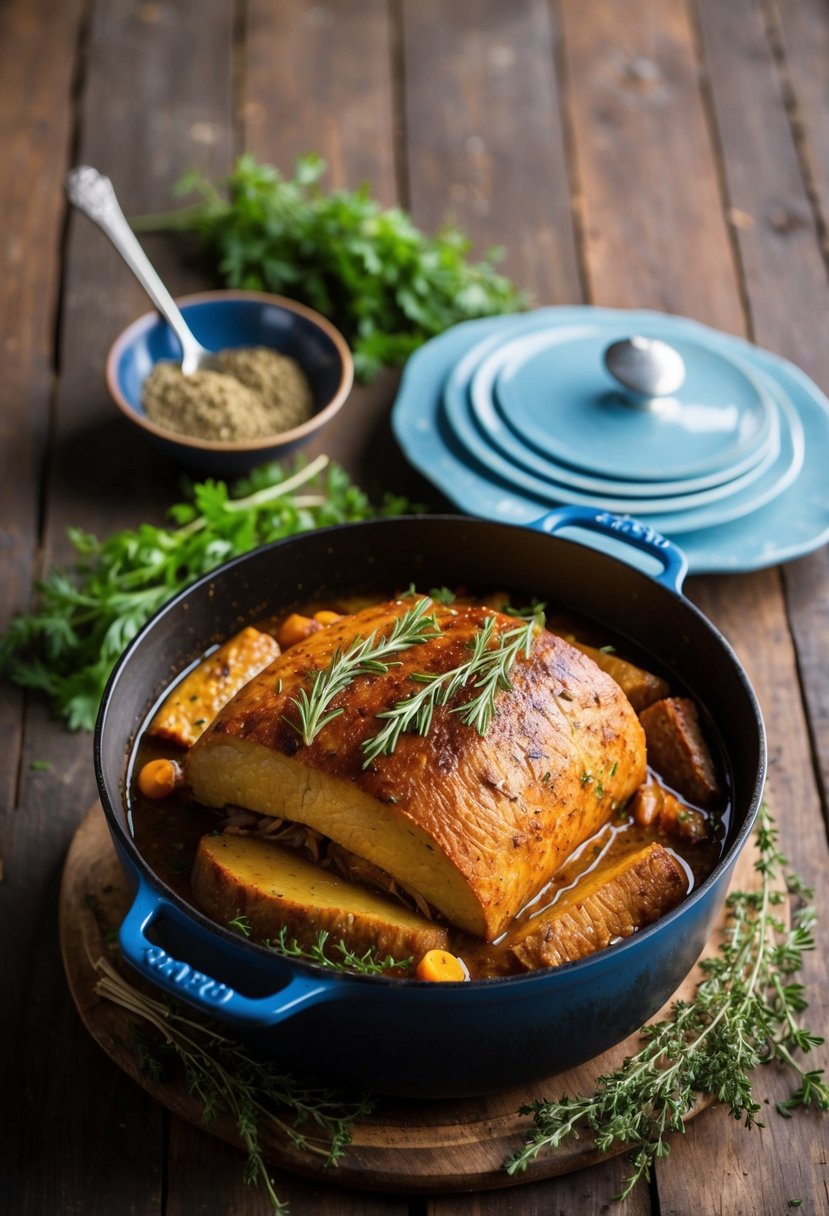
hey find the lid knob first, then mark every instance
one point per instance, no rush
(645, 366)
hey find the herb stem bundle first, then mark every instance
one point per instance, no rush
(744, 1013)
(228, 1080)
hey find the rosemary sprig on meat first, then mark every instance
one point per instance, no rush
(365, 656)
(487, 668)
(744, 1013)
(230, 1081)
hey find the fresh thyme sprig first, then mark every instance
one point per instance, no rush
(230, 1080)
(744, 1013)
(365, 656)
(368, 963)
(488, 666)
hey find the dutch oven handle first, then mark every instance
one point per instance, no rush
(626, 529)
(186, 983)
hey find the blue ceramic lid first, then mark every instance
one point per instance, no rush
(553, 391)
(477, 426)
(790, 518)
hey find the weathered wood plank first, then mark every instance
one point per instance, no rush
(36, 63)
(144, 115)
(779, 245)
(588, 1192)
(301, 96)
(37, 53)
(202, 1167)
(801, 31)
(484, 140)
(639, 117)
(785, 276)
(654, 233)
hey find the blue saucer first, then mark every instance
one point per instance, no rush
(793, 523)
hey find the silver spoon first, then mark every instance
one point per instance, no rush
(645, 366)
(93, 194)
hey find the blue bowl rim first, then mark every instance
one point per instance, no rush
(279, 439)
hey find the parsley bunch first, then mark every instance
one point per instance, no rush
(85, 616)
(383, 282)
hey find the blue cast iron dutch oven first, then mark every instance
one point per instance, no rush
(405, 1037)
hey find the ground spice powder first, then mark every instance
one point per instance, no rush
(261, 393)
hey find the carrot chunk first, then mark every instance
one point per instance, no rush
(159, 778)
(326, 617)
(295, 628)
(441, 965)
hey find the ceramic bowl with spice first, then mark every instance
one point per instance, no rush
(284, 372)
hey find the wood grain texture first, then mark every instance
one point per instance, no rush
(785, 276)
(801, 31)
(143, 116)
(639, 115)
(640, 135)
(300, 98)
(401, 1146)
(36, 72)
(484, 140)
(766, 172)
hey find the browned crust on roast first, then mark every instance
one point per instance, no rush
(564, 750)
(641, 687)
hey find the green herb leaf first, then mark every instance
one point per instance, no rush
(365, 656)
(744, 1013)
(228, 1079)
(387, 285)
(363, 964)
(68, 644)
(487, 668)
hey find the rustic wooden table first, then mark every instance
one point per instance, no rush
(671, 154)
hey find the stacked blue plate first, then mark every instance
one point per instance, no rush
(511, 416)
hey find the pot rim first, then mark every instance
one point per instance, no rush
(389, 983)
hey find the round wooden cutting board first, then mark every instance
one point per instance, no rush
(401, 1145)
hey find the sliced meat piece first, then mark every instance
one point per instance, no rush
(275, 888)
(678, 751)
(640, 687)
(611, 903)
(193, 704)
(473, 825)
